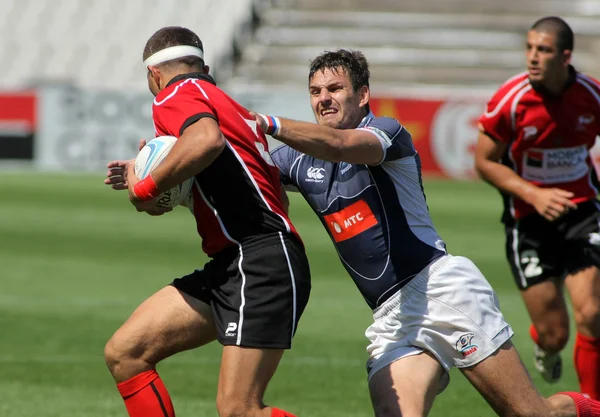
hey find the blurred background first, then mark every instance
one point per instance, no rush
(75, 259)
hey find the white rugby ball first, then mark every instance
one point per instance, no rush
(149, 158)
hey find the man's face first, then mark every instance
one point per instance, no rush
(333, 100)
(545, 62)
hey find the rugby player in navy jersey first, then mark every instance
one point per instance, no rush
(431, 311)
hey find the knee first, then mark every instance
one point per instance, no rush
(114, 354)
(587, 316)
(553, 338)
(121, 352)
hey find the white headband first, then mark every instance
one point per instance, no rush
(173, 52)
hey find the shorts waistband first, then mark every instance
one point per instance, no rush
(405, 292)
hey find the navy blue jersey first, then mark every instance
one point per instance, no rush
(376, 215)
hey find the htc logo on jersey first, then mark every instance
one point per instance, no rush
(350, 221)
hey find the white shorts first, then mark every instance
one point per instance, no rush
(449, 309)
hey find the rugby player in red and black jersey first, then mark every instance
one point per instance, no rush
(534, 144)
(251, 294)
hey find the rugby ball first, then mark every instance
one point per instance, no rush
(149, 158)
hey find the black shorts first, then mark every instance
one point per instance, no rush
(257, 291)
(538, 250)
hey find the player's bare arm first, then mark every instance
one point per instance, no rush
(199, 145)
(551, 203)
(324, 142)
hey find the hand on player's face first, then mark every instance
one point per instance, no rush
(116, 176)
(553, 203)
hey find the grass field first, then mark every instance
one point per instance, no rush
(76, 259)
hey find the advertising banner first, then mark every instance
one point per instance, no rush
(17, 125)
(444, 132)
(84, 129)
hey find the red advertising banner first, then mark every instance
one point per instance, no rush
(444, 132)
(17, 124)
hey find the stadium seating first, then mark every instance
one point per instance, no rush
(427, 44)
(99, 43)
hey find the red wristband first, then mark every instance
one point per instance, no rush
(146, 189)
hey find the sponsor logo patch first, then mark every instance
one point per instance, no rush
(465, 344)
(350, 221)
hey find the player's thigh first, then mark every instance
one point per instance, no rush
(406, 387)
(584, 290)
(548, 312)
(244, 376)
(582, 259)
(168, 322)
(505, 384)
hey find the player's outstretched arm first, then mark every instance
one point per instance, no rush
(324, 142)
(551, 203)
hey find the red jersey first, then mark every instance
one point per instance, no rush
(237, 197)
(548, 137)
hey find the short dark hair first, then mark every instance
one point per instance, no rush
(173, 36)
(353, 62)
(553, 24)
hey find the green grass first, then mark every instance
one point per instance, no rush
(76, 259)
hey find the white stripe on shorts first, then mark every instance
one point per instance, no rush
(287, 257)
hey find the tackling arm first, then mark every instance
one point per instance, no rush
(323, 142)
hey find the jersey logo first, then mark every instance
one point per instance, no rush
(465, 344)
(529, 132)
(583, 121)
(350, 221)
(315, 174)
(344, 167)
(535, 159)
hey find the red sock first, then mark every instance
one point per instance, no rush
(145, 395)
(534, 335)
(276, 412)
(586, 407)
(587, 364)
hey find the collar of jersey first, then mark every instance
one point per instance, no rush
(570, 81)
(366, 119)
(198, 75)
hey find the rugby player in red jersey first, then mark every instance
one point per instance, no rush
(252, 292)
(534, 148)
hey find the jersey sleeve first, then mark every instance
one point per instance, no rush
(595, 85)
(285, 159)
(395, 140)
(496, 121)
(184, 107)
